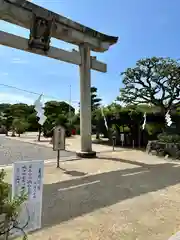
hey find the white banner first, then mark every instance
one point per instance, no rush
(40, 110)
(168, 119)
(28, 176)
(105, 122)
(144, 123)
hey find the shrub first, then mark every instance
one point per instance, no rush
(9, 208)
(169, 138)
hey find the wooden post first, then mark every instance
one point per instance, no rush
(58, 158)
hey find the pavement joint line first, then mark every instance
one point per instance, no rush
(79, 185)
(53, 160)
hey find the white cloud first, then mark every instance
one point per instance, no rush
(75, 105)
(14, 98)
(18, 61)
(104, 103)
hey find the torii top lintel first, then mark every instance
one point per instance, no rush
(20, 12)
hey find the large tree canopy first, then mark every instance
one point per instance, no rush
(23, 116)
(55, 107)
(153, 81)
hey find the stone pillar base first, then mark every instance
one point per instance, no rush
(91, 154)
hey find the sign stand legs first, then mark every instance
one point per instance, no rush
(114, 142)
(58, 158)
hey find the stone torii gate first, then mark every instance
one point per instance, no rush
(44, 24)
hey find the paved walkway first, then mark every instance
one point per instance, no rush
(72, 143)
(12, 151)
(110, 198)
(125, 194)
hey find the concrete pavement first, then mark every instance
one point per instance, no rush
(125, 194)
(12, 151)
(110, 198)
(72, 143)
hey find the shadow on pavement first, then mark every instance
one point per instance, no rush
(73, 173)
(141, 164)
(44, 140)
(69, 199)
(109, 143)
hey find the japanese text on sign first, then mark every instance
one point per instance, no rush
(28, 177)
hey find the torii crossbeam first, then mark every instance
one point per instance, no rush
(44, 24)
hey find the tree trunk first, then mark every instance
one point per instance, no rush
(139, 136)
(97, 135)
(163, 113)
(6, 226)
(13, 133)
(39, 134)
(163, 110)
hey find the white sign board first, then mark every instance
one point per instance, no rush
(28, 176)
(122, 137)
(59, 138)
(175, 237)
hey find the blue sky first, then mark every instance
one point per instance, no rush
(145, 28)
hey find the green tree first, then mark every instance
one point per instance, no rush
(153, 81)
(27, 116)
(19, 125)
(95, 101)
(21, 110)
(57, 113)
(113, 108)
(32, 120)
(9, 112)
(7, 118)
(3, 107)
(55, 108)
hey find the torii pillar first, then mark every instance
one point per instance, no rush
(85, 102)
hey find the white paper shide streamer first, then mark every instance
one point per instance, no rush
(40, 111)
(144, 123)
(105, 121)
(168, 119)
